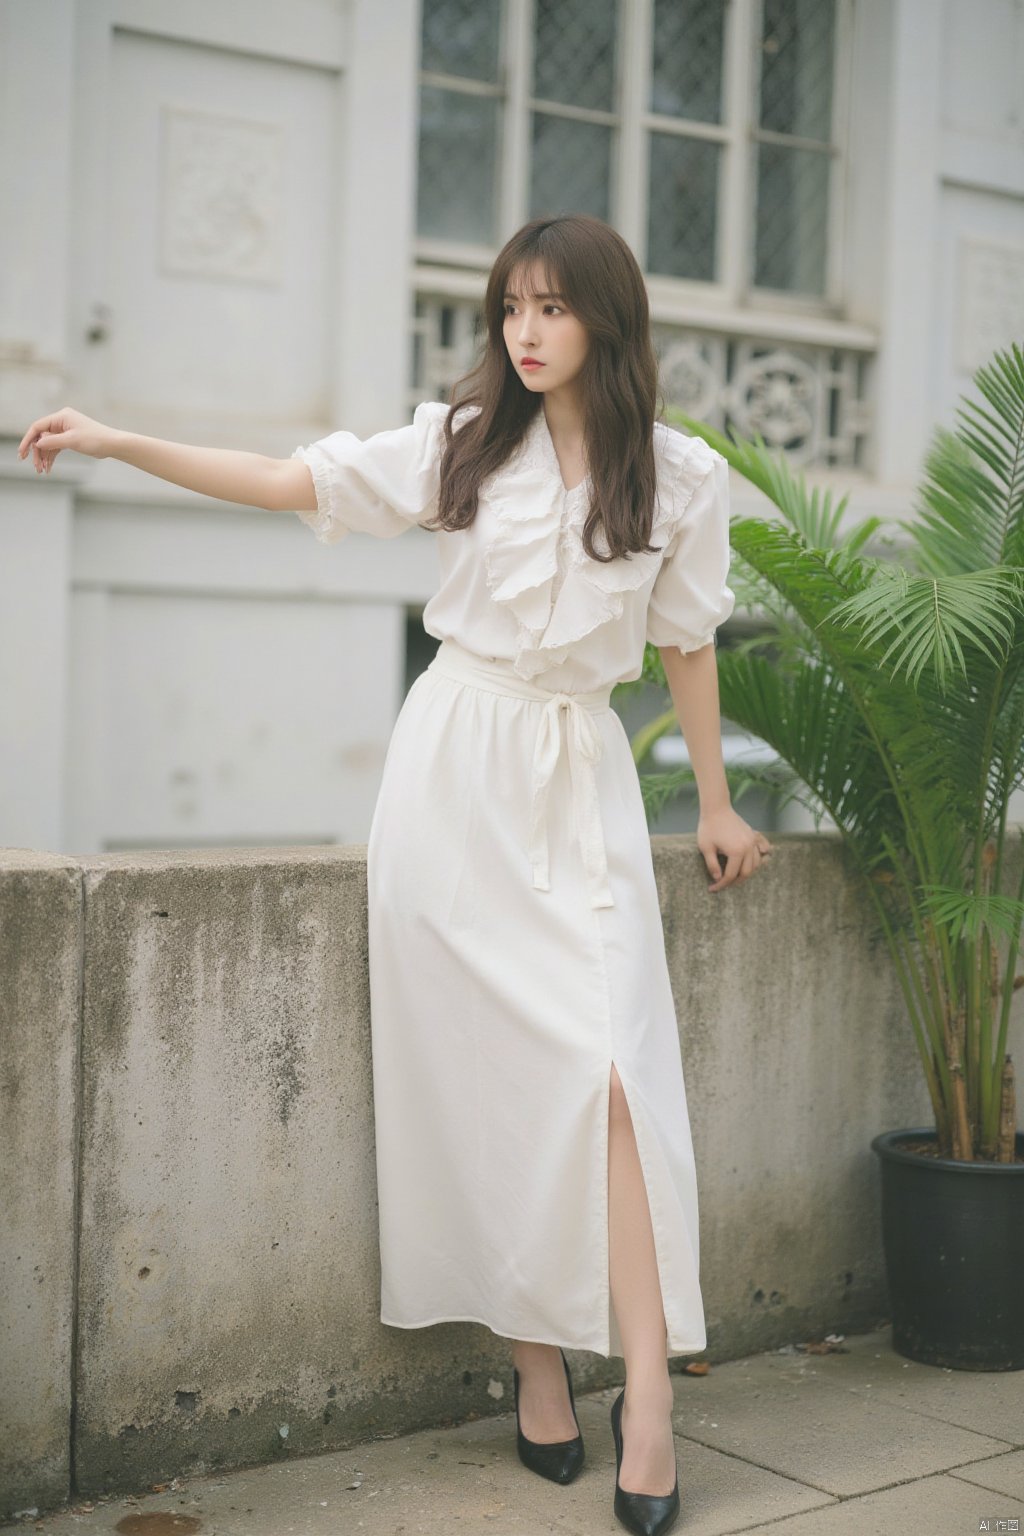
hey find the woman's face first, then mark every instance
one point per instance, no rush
(544, 329)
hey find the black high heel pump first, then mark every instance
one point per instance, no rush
(645, 1514)
(560, 1460)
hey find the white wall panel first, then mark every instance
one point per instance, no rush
(982, 83)
(979, 258)
(221, 234)
(980, 289)
(246, 721)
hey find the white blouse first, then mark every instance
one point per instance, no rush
(518, 585)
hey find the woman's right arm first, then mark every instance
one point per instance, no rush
(228, 474)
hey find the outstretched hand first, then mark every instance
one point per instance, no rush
(725, 832)
(66, 428)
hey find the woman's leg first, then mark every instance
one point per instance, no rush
(545, 1413)
(648, 1449)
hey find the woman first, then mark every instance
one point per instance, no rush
(535, 1168)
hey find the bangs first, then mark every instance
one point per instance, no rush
(520, 281)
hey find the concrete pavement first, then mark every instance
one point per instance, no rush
(856, 1441)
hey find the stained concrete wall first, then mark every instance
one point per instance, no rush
(40, 1013)
(189, 1255)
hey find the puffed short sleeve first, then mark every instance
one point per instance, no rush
(691, 597)
(379, 485)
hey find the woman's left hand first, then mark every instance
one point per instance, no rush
(745, 848)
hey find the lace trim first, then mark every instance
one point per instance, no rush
(325, 521)
(695, 645)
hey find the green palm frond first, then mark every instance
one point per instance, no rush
(926, 621)
(773, 779)
(814, 514)
(806, 714)
(1007, 742)
(891, 688)
(967, 914)
(809, 579)
(971, 508)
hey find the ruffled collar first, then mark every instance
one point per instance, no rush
(535, 564)
(540, 443)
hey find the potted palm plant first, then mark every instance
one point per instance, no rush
(891, 688)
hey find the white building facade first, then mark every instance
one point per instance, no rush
(248, 224)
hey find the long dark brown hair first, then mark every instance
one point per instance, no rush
(590, 263)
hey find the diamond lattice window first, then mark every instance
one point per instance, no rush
(574, 43)
(459, 127)
(574, 52)
(539, 106)
(461, 37)
(686, 59)
(794, 152)
(571, 167)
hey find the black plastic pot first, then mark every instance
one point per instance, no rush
(954, 1255)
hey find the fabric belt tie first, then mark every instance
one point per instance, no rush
(584, 745)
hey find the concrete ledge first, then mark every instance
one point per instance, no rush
(40, 1008)
(226, 1281)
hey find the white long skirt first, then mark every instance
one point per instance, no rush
(503, 987)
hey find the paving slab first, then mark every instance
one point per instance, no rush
(999, 1474)
(933, 1506)
(823, 1421)
(465, 1480)
(988, 1402)
(849, 1443)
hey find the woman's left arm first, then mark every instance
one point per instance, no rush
(693, 683)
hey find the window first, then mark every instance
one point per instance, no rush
(794, 145)
(572, 109)
(704, 130)
(709, 133)
(459, 125)
(685, 138)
